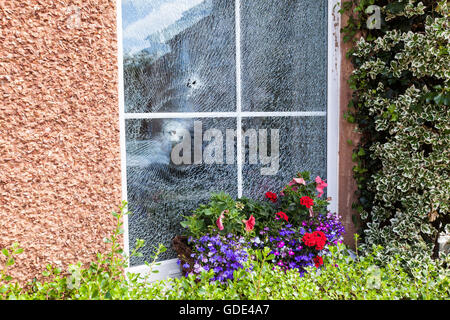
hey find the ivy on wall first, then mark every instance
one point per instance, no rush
(400, 105)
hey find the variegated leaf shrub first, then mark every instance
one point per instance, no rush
(401, 107)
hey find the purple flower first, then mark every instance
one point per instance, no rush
(221, 254)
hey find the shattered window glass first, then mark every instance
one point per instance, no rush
(160, 191)
(185, 58)
(284, 55)
(180, 57)
(302, 147)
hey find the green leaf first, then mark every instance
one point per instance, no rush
(439, 99)
(361, 152)
(184, 224)
(18, 251)
(446, 100)
(208, 212)
(5, 252)
(395, 7)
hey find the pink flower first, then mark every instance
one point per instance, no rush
(219, 221)
(294, 182)
(249, 224)
(321, 184)
(299, 181)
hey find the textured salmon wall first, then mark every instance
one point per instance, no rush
(59, 130)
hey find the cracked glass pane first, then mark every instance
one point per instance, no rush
(160, 189)
(284, 55)
(302, 146)
(179, 56)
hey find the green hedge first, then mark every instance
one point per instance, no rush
(401, 107)
(343, 276)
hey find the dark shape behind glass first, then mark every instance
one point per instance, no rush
(160, 192)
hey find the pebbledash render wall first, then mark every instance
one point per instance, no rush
(59, 132)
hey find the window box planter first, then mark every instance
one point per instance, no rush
(184, 251)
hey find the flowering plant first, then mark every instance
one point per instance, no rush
(221, 254)
(224, 215)
(221, 215)
(300, 247)
(302, 199)
(294, 225)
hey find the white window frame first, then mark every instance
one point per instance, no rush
(169, 268)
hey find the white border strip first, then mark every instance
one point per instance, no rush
(166, 269)
(242, 114)
(334, 62)
(237, 23)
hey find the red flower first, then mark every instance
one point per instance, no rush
(282, 215)
(271, 196)
(320, 239)
(249, 224)
(318, 261)
(309, 240)
(317, 239)
(306, 201)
